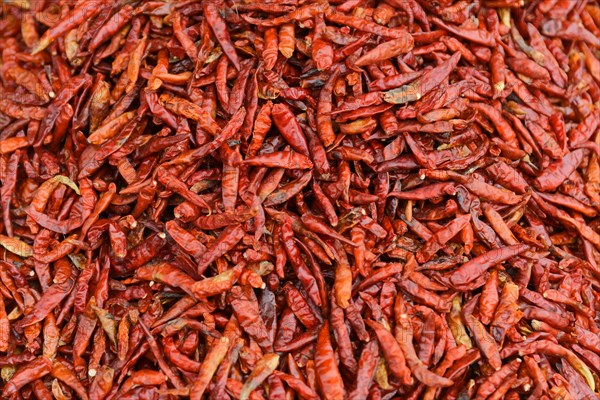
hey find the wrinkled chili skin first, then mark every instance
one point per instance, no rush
(300, 199)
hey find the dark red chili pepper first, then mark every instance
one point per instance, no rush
(328, 375)
(404, 334)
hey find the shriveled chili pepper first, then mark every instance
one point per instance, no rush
(328, 374)
(474, 268)
(302, 271)
(386, 51)
(489, 298)
(493, 381)
(36, 369)
(75, 17)
(483, 339)
(424, 84)
(247, 313)
(404, 335)
(392, 352)
(261, 371)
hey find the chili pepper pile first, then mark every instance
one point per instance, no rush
(300, 199)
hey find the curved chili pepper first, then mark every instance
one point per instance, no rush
(145, 251)
(300, 268)
(50, 300)
(404, 334)
(245, 306)
(494, 381)
(507, 313)
(167, 273)
(286, 122)
(288, 191)
(262, 370)
(386, 51)
(489, 298)
(283, 159)
(366, 370)
(36, 369)
(298, 385)
(75, 17)
(228, 238)
(286, 43)
(324, 108)
(474, 268)
(429, 81)
(392, 352)
(478, 36)
(558, 171)
(219, 28)
(328, 374)
(484, 341)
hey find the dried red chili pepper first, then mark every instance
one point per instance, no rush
(392, 352)
(328, 375)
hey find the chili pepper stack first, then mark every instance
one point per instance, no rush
(355, 199)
